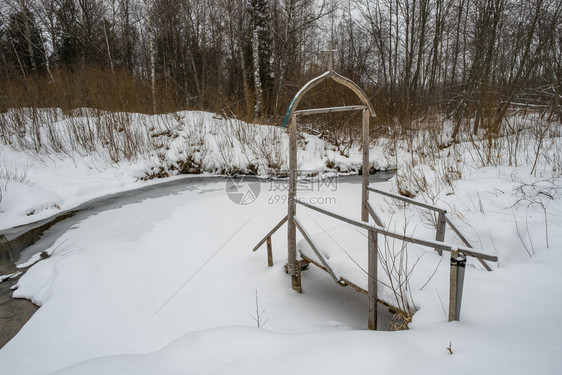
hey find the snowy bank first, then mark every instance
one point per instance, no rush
(170, 285)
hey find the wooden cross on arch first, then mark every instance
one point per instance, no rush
(330, 54)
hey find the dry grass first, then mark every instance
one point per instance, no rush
(9, 174)
(89, 87)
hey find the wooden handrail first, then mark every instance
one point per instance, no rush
(408, 200)
(275, 228)
(428, 243)
(345, 219)
(480, 256)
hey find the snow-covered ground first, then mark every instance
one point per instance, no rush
(64, 173)
(169, 285)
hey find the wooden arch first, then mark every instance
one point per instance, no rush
(290, 121)
(316, 81)
(293, 268)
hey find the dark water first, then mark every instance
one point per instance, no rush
(14, 313)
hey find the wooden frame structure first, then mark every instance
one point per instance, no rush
(458, 254)
(290, 120)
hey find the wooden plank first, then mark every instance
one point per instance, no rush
(465, 241)
(269, 253)
(306, 236)
(270, 233)
(372, 279)
(366, 167)
(319, 265)
(391, 308)
(293, 267)
(315, 111)
(440, 233)
(408, 200)
(345, 282)
(374, 215)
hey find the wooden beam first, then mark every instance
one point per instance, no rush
(374, 215)
(465, 241)
(315, 111)
(306, 236)
(407, 200)
(336, 216)
(458, 264)
(461, 267)
(270, 233)
(319, 265)
(344, 282)
(453, 285)
(366, 167)
(293, 267)
(428, 243)
(476, 254)
(392, 309)
(269, 253)
(372, 275)
(356, 89)
(440, 233)
(439, 245)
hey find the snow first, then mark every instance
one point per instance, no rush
(10, 276)
(36, 186)
(168, 284)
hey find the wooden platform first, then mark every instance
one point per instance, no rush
(343, 250)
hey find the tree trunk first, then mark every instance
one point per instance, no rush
(257, 79)
(28, 36)
(152, 53)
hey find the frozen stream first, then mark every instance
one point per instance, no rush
(154, 204)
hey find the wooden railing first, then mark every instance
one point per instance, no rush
(442, 222)
(458, 253)
(418, 241)
(267, 238)
(458, 257)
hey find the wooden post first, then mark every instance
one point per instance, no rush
(269, 253)
(461, 262)
(366, 167)
(458, 264)
(372, 247)
(293, 267)
(453, 285)
(372, 279)
(440, 235)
